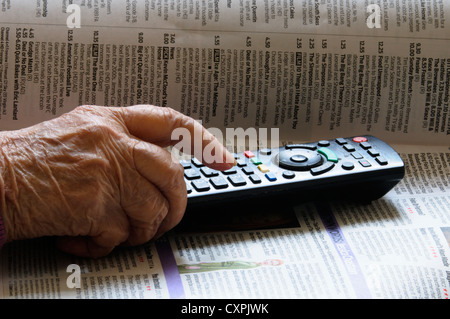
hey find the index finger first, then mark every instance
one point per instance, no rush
(156, 124)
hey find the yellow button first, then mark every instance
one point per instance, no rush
(263, 168)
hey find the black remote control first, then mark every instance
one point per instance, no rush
(361, 168)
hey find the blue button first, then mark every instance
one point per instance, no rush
(271, 177)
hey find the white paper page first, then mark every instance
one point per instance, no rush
(313, 70)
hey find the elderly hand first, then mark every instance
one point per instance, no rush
(98, 177)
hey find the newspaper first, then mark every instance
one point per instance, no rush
(395, 247)
(315, 70)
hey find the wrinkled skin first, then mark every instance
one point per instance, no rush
(97, 177)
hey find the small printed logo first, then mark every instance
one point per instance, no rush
(74, 18)
(374, 19)
(74, 279)
(235, 139)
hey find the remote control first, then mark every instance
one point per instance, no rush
(361, 168)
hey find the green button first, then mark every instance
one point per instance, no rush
(255, 161)
(329, 154)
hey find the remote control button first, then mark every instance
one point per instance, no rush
(185, 164)
(365, 145)
(265, 151)
(271, 177)
(188, 188)
(201, 185)
(255, 160)
(298, 158)
(208, 172)
(249, 154)
(348, 166)
(248, 170)
(365, 163)
(359, 139)
(329, 154)
(373, 152)
(349, 148)
(196, 162)
(304, 146)
(288, 174)
(241, 163)
(219, 182)
(255, 179)
(230, 171)
(323, 143)
(357, 155)
(381, 160)
(341, 141)
(285, 159)
(191, 174)
(322, 169)
(237, 180)
(263, 168)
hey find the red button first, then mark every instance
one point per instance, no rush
(359, 139)
(249, 154)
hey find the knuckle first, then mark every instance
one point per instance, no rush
(158, 204)
(170, 112)
(84, 108)
(99, 130)
(172, 116)
(155, 204)
(178, 170)
(175, 186)
(177, 175)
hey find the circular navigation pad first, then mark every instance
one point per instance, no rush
(299, 159)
